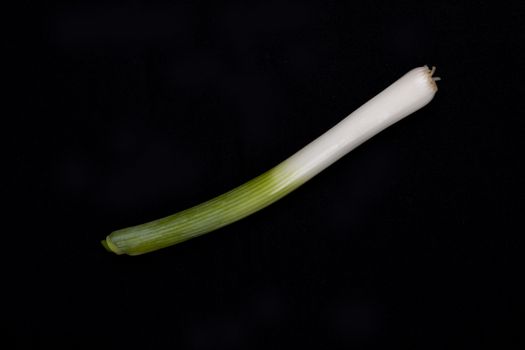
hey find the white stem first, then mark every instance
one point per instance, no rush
(408, 94)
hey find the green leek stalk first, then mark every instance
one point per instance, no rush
(406, 95)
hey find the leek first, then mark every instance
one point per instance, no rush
(408, 94)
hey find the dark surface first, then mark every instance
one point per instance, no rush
(127, 113)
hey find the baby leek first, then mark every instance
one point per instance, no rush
(408, 94)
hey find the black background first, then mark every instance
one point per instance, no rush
(125, 113)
